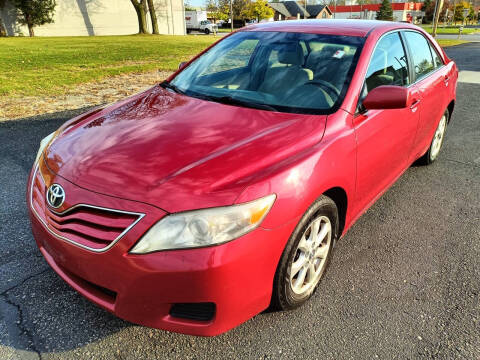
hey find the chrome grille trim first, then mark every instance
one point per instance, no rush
(140, 216)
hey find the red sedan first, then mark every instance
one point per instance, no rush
(202, 201)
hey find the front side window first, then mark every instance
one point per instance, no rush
(388, 64)
(277, 71)
(422, 57)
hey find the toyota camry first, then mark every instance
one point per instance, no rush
(199, 203)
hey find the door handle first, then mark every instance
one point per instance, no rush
(414, 104)
(445, 80)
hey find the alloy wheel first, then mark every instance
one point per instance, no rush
(310, 258)
(438, 138)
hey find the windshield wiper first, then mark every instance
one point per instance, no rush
(167, 85)
(229, 100)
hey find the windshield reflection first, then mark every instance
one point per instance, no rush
(276, 71)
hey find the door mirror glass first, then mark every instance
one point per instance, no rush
(386, 97)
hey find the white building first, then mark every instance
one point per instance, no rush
(99, 17)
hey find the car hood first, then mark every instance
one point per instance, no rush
(177, 152)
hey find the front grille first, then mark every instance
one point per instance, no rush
(88, 226)
(193, 311)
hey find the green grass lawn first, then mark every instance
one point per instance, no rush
(448, 29)
(46, 66)
(448, 42)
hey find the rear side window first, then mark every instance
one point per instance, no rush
(388, 65)
(437, 60)
(421, 54)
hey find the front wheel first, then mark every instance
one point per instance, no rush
(306, 256)
(432, 153)
(207, 31)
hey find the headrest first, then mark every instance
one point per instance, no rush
(329, 50)
(325, 53)
(290, 53)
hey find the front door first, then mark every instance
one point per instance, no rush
(384, 137)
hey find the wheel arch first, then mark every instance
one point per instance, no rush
(339, 197)
(450, 108)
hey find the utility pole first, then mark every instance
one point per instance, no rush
(231, 13)
(436, 16)
(453, 19)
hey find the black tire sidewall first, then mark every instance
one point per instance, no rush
(283, 297)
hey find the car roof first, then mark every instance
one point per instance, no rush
(347, 27)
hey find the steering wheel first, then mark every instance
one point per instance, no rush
(330, 88)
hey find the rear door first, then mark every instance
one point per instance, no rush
(384, 137)
(431, 79)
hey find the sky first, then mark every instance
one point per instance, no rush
(197, 2)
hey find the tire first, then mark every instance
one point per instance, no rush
(207, 31)
(289, 290)
(437, 141)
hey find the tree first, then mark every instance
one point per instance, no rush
(385, 12)
(153, 17)
(459, 11)
(238, 7)
(35, 13)
(443, 12)
(428, 7)
(141, 10)
(258, 10)
(471, 14)
(3, 31)
(215, 12)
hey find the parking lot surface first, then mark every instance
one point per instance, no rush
(404, 282)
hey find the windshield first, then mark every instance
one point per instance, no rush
(278, 71)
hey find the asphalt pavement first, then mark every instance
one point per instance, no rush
(404, 282)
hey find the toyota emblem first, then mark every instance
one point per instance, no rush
(55, 196)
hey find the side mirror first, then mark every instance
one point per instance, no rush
(182, 65)
(386, 97)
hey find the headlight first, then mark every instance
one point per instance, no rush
(205, 227)
(43, 144)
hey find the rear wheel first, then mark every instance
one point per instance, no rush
(306, 256)
(432, 153)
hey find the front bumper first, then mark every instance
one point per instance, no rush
(237, 276)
